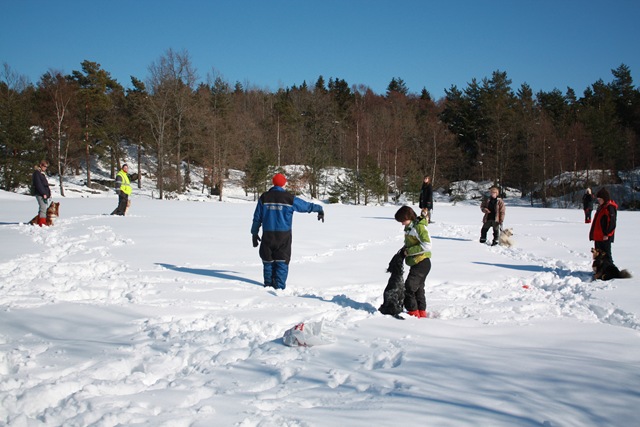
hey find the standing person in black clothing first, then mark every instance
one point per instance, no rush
(42, 191)
(426, 198)
(494, 211)
(587, 205)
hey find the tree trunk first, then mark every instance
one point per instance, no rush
(139, 163)
(86, 142)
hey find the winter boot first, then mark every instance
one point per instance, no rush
(415, 313)
(42, 221)
(422, 313)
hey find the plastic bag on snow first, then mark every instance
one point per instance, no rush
(306, 335)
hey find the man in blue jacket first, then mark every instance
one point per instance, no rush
(274, 213)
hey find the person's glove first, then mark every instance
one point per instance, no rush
(321, 216)
(255, 238)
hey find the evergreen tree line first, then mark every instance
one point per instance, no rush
(387, 142)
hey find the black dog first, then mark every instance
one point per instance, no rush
(393, 302)
(604, 269)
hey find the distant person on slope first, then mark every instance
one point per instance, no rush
(426, 198)
(42, 191)
(603, 227)
(274, 212)
(123, 189)
(417, 243)
(494, 211)
(587, 205)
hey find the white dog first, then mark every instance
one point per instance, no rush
(505, 237)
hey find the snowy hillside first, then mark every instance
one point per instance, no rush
(564, 191)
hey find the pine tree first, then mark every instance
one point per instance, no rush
(20, 145)
(397, 85)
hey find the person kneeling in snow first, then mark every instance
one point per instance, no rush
(274, 212)
(417, 243)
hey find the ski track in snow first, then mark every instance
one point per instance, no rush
(188, 360)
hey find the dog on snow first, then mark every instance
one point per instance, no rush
(393, 295)
(604, 269)
(53, 212)
(506, 237)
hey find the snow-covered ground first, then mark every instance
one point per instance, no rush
(160, 319)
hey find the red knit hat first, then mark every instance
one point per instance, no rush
(279, 180)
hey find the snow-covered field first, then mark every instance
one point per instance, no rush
(160, 319)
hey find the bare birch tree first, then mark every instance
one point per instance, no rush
(60, 92)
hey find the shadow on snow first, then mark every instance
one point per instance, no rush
(220, 274)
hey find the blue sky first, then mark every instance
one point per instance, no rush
(271, 44)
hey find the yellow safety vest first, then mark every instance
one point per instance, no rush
(125, 187)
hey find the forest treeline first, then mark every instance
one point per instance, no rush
(484, 131)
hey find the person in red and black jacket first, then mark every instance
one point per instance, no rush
(603, 227)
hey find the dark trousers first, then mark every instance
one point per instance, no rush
(414, 297)
(486, 226)
(604, 246)
(122, 203)
(275, 251)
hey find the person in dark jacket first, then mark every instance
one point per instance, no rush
(274, 213)
(587, 205)
(603, 227)
(426, 198)
(494, 211)
(42, 191)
